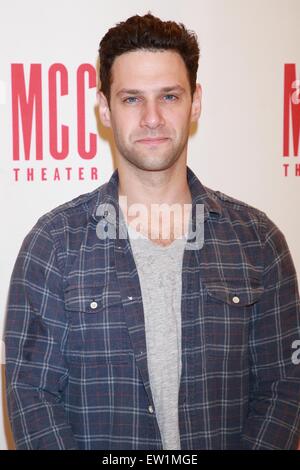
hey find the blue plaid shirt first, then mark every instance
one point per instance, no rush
(76, 363)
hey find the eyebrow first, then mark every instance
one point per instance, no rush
(166, 89)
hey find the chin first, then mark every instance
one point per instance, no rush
(153, 166)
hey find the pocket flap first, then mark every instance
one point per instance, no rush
(90, 298)
(235, 291)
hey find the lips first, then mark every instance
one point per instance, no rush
(154, 140)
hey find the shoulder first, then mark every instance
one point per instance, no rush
(70, 217)
(243, 216)
(233, 204)
(80, 204)
(77, 209)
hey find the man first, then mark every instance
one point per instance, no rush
(118, 337)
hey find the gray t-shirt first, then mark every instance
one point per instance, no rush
(160, 269)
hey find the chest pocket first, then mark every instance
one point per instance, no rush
(228, 309)
(97, 329)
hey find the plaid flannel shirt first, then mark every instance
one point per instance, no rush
(76, 362)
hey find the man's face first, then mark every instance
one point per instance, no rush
(150, 99)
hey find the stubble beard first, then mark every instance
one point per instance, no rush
(151, 159)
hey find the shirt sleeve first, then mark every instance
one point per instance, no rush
(36, 373)
(274, 409)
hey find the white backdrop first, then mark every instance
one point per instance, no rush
(238, 146)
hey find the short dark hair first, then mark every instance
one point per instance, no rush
(147, 33)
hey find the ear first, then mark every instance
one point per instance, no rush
(196, 103)
(104, 111)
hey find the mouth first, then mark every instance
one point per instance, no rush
(153, 141)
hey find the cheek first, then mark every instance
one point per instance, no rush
(178, 118)
(127, 119)
(121, 125)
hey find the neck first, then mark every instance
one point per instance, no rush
(167, 186)
(151, 189)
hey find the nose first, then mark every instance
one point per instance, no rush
(151, 115)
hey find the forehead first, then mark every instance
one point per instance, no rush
(147, 69)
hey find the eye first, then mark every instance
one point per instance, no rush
(174, 98)
(130, 99)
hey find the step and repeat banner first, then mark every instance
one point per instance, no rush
(53, 148)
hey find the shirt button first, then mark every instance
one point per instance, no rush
(129, 297)
(94, 305)
(235, 299)
(150, 409)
